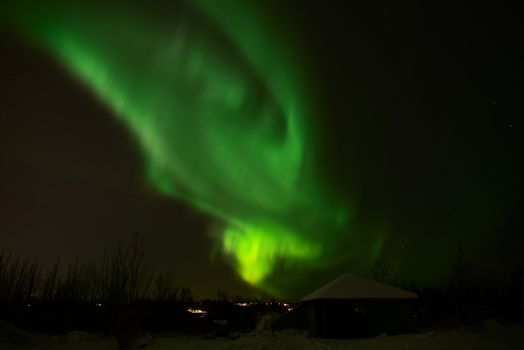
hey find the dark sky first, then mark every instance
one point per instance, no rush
(423, 124)
(427, 123)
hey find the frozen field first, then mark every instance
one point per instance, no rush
(497, 337)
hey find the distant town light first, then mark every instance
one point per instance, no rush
(196, 311)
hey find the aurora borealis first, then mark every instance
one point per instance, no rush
(288, 142)
(223, 120)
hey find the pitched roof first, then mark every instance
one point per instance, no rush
(351, 286)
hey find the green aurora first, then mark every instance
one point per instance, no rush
(220, 104)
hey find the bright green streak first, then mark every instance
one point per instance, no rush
(256, 249)
(220, 110)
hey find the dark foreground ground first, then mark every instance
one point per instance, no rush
(492, 337)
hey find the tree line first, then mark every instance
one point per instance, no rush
(466, 299)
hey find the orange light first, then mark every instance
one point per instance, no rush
(196, 311)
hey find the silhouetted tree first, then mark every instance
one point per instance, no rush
(460, 274)
(382, 271)
(50, 281)
(186, 296)
(165, 290)
(125, 274)
(222, 296)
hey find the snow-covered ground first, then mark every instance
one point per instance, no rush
(495, 338)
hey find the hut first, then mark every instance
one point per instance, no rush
(351, 307)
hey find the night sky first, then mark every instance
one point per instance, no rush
(311, 138)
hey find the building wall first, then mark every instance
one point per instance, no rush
(349, 318)
(388, 317)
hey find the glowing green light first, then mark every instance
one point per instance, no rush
(218, 103)
(257, 249)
